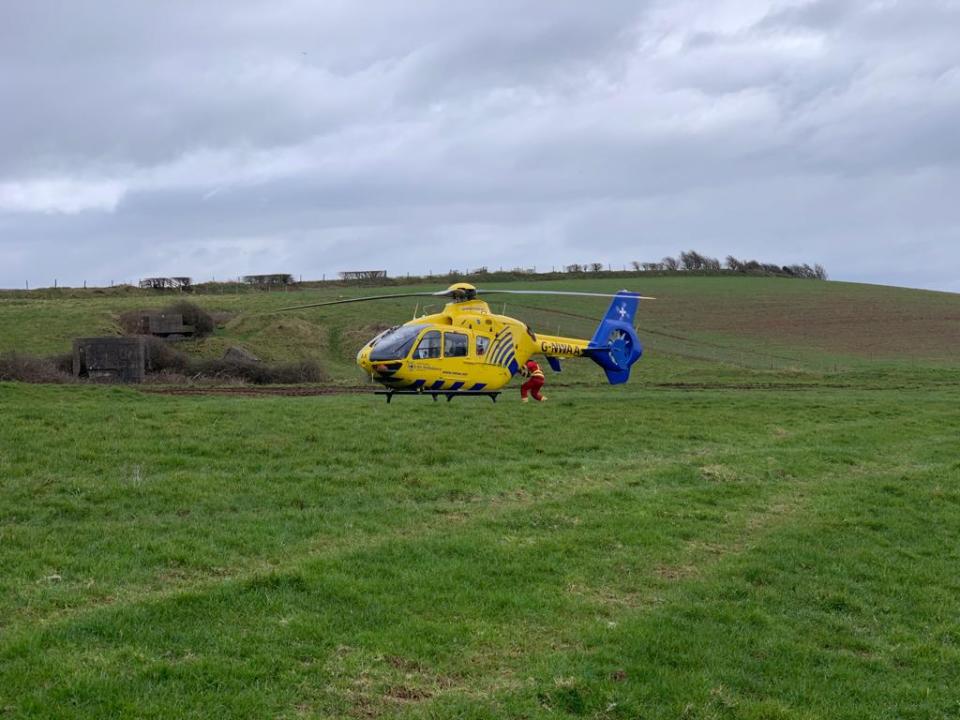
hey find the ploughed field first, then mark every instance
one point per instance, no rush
(759, 525)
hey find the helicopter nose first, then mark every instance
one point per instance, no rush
(363, 359)
(384, 370)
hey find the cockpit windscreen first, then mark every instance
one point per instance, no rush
(395, 344)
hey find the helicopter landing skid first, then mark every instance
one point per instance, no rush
(449, 394)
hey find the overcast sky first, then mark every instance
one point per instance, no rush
(221, 138)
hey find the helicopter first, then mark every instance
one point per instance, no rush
(468, 349)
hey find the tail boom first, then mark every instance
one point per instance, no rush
(614, 346)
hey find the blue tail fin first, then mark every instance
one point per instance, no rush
(615, 346)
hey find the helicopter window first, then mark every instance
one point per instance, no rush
(395, 344)
(429, 346)
(482, 344)
(379, 335)
(455, 345)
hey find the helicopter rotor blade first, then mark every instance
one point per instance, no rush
(357, 299)
(561, 292)
(449, 293)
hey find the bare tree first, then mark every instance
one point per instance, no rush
(692, 260)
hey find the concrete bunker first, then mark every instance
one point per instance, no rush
(163, 324)
(110, 359)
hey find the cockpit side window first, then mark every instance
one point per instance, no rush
(483, 343)
(455, 344)
(429, 346)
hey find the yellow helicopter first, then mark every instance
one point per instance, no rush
(467, 349)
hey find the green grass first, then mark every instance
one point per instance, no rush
(616, 553)
(764, 523)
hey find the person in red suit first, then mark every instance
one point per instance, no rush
(534, 383)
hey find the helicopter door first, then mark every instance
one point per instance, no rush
(429, 347)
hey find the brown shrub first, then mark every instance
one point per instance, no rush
(129, 322)
(63, 362)
(166, 365)
(302, 371)
(173, 364)
(160, 357)
(28, 368)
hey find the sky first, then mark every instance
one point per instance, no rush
(233, 137)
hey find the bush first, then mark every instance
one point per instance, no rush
(63, 363)
(28, 368)
(129, 322)
(161, 357)
(259, 373)
(302, 371)
(169, 364)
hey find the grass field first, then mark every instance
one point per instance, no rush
(724, 537)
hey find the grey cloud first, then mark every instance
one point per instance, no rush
(216, 138)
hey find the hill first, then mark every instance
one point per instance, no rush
(697, 324)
